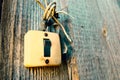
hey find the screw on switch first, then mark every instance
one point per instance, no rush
(47, 61)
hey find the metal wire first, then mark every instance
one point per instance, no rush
(49, 12)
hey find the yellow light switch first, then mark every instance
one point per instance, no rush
(41, 49)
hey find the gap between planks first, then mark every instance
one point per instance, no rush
(73, 69)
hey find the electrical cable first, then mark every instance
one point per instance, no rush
(49, 12)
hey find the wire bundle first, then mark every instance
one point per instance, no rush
(49, 12)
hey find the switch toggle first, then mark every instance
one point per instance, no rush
(47, 47)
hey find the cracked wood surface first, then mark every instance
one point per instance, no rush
(95, 30)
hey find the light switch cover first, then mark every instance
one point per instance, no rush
(41, 49)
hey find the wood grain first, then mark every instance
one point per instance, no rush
(97, 53)
(73, 69)
(18, 17)
(98, 57)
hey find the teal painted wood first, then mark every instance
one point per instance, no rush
(98, 55)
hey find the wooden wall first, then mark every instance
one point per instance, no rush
(95, 30)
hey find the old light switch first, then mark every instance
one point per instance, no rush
(41, 49)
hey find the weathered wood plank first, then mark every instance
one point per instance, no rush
(19, 17)
(97, 54)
